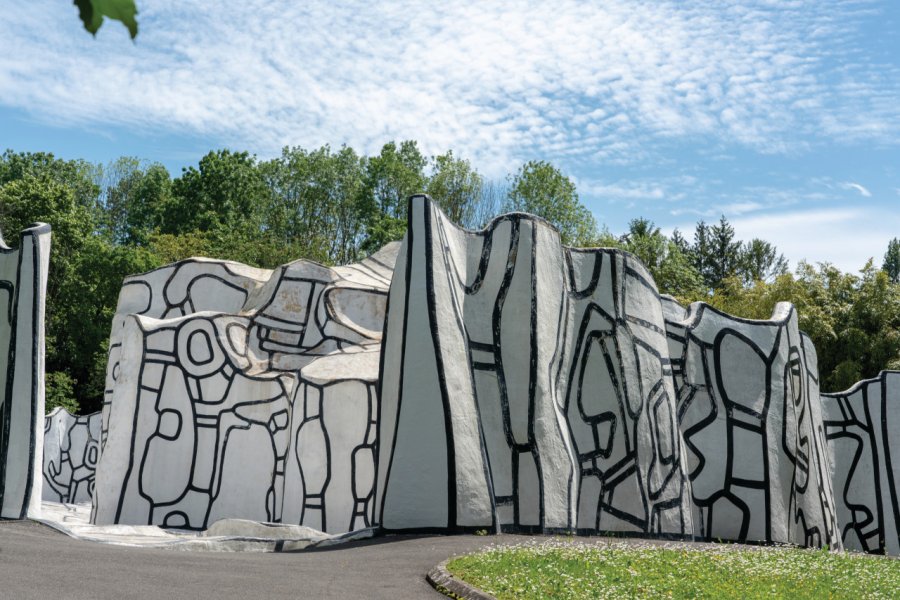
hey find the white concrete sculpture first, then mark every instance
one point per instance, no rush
(525, 386)
(23, 284)
(205, 417)
(71, 451)
(520, 386)
(749, 412)
(862, 425)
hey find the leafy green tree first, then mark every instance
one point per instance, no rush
(315, 206)
(134, 197)
(670, 266)
(701, 252)
(683, 246)
(457, 188)
(891, 264)
(86, 272)
(60, 391)
(227, 192)
(541, 189)
(397, 173)
(725, 253)
(78, 175)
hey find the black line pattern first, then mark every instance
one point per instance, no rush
(330, 483)
(71, 451)
(863, 433)
(751, 420)
(23, 282)
(538, 378)
(210, 414)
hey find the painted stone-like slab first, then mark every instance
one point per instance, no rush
(71, 451)
(330, 476)
(750, 415)
(201, 422)
(23, 286)
(862, 425)
(525, 386)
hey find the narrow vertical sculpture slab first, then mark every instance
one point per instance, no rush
(862, 425)
(749, 411)
(23, 286)
(620, 399)
(501, 406)
(330, 476)
(71, 451)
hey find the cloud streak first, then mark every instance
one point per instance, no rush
(499, 82)
(863, 191)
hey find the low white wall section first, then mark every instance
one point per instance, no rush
(751, 418)
(862, 425)
(71, 451)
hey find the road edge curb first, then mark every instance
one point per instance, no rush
(444, 582)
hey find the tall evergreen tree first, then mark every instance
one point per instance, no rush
(760, 261)
(725, 253)
(891, 264)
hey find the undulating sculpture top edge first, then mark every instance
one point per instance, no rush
(862, 382)
(33, 229)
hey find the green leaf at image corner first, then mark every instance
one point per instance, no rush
(92, 13)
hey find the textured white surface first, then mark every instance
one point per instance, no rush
(751, 418)
(525, 386)
(71, 450)
(23, 284)
(202, 422)
(863, 429)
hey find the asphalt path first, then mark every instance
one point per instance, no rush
(39, 562)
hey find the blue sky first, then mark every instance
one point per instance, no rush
(782, 115)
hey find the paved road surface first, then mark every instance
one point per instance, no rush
(38, 562)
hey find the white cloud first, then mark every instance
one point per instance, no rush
(845, 237)
(849, 185)
(498, 82)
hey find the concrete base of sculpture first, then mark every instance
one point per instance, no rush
(227, 535)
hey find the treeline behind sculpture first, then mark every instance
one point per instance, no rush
(335, 206)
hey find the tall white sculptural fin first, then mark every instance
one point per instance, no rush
(23, 285)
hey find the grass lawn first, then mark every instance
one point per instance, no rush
(561, 569)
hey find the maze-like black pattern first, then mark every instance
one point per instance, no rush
(748, 406)
(207, 438)
(71, 452)
(565, 369)
(209, 425)
(620, 401)
(862, 425)
(333, 450)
